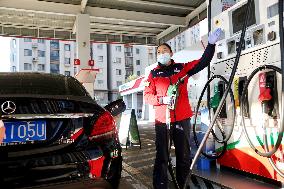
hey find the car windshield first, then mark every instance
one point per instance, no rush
(40, 84)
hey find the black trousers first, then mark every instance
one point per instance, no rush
(180, 135)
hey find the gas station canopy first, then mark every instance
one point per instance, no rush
(125, 21)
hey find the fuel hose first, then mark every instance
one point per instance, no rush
(267, 153)
(225, 139)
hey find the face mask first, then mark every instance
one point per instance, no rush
(164, 58)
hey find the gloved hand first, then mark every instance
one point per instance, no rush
(215, 36)
(165, 100)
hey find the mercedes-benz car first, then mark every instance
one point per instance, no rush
(55, 132)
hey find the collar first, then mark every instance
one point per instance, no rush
(166, 67)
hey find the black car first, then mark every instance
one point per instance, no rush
(55, 132)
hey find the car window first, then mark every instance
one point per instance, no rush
(40, 84)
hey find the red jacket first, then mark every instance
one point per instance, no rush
(161, 77)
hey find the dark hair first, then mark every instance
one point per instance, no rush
(167, 45)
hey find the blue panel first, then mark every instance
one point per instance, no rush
(22, 131)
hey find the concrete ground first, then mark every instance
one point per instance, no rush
(138, 163)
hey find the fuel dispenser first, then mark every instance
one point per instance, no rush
(257, 148)
(251, 52)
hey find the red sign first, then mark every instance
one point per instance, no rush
(76, 61)
(91, 62)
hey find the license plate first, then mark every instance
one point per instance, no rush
(22, 131)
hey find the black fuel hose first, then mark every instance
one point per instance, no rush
(225, 139)
(234, 69)
(243, 97)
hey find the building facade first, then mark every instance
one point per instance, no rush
(40, 55)
(137, 58)
(124, 60)
(99, 53)
(116, 62)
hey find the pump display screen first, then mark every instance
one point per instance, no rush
(238, 17)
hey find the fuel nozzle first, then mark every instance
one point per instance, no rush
(265, 94)
(215, 100)
(173, 93)
(264, 89)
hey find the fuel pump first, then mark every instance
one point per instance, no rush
(234, 69)
(261, 45)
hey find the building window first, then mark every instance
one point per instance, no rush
(27, 66)
(54, 44)
(27, 52)
(100, 58)
(40, 67)
(100, 82)
(67, 73)
(118, 71)
(137, 51)
(14, 69)
(138, 73)
(41, 53)
(14, 42)
(67, 61)
(66, 47)
(118, 83)
(27, 40)
(118, 60)
(118, 48)
(54, 55)
(13, 57)
(137, 62)
(129, 72)
(40, 40)
(100, 46)
(54, 68)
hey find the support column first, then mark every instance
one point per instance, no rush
(125, 100)
(134, 101)
(83, 46)
(145, 110)
(83, 39)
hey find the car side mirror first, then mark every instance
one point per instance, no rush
(116, 107)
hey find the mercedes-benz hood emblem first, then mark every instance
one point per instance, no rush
(8, 107)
